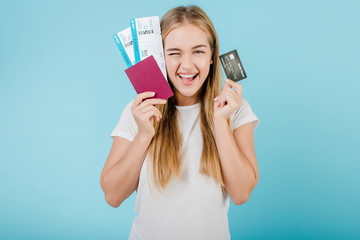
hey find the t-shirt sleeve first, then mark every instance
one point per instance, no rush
(126, 127)
(243, 114)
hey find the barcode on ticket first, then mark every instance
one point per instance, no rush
(128, 44)
(144, 32)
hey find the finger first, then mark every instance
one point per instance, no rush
(222, 101)
(151, 108)
(233, 94)
(151, 113)
(152, 101)
(148, 115)
(215, 104)
(229, 96)
(218, 100)
(141, 96)
(223, 90)
(226, 86)
(220, 97)
(237, 86)
(230, 91)
(234, 97)
(232, 100)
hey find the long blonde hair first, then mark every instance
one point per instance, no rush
(165, 147)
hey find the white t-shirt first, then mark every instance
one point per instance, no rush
(191, 208)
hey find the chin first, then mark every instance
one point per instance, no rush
(186, 91)
(189, 92)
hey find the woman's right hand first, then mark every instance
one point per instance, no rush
(144, 112)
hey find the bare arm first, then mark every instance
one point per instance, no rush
(120, 175)
(238, 160)
(236, 148)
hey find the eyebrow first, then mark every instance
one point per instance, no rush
(178, 49)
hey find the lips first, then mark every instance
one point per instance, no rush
(188, 79)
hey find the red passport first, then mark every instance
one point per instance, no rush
(147, 76)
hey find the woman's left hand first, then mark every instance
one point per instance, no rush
(229, 99)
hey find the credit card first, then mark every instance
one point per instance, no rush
(124, 42)
(147, 76)
(232, 66)
(147, 40)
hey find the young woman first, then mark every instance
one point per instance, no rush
(187, 155)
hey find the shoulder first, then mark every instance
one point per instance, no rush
(129, 104)
(243, 108)
(243, 114)
(126, 127)
(127, 109)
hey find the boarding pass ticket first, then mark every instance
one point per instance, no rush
(147, 40)
(124, 41)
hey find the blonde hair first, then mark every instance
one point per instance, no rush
(165, 148)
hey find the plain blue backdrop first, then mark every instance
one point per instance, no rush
(63, 88)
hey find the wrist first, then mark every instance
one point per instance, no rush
(144, 137)
(219, 120)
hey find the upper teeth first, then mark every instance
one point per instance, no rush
(186, 76)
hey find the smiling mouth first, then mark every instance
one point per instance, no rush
(188, 77)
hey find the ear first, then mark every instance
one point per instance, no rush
(211, 61)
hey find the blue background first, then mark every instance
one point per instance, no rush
(63, 88)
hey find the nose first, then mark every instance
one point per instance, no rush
(187, 62)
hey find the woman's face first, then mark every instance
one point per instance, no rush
(187, 59)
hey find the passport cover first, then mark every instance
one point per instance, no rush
(147, 76)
